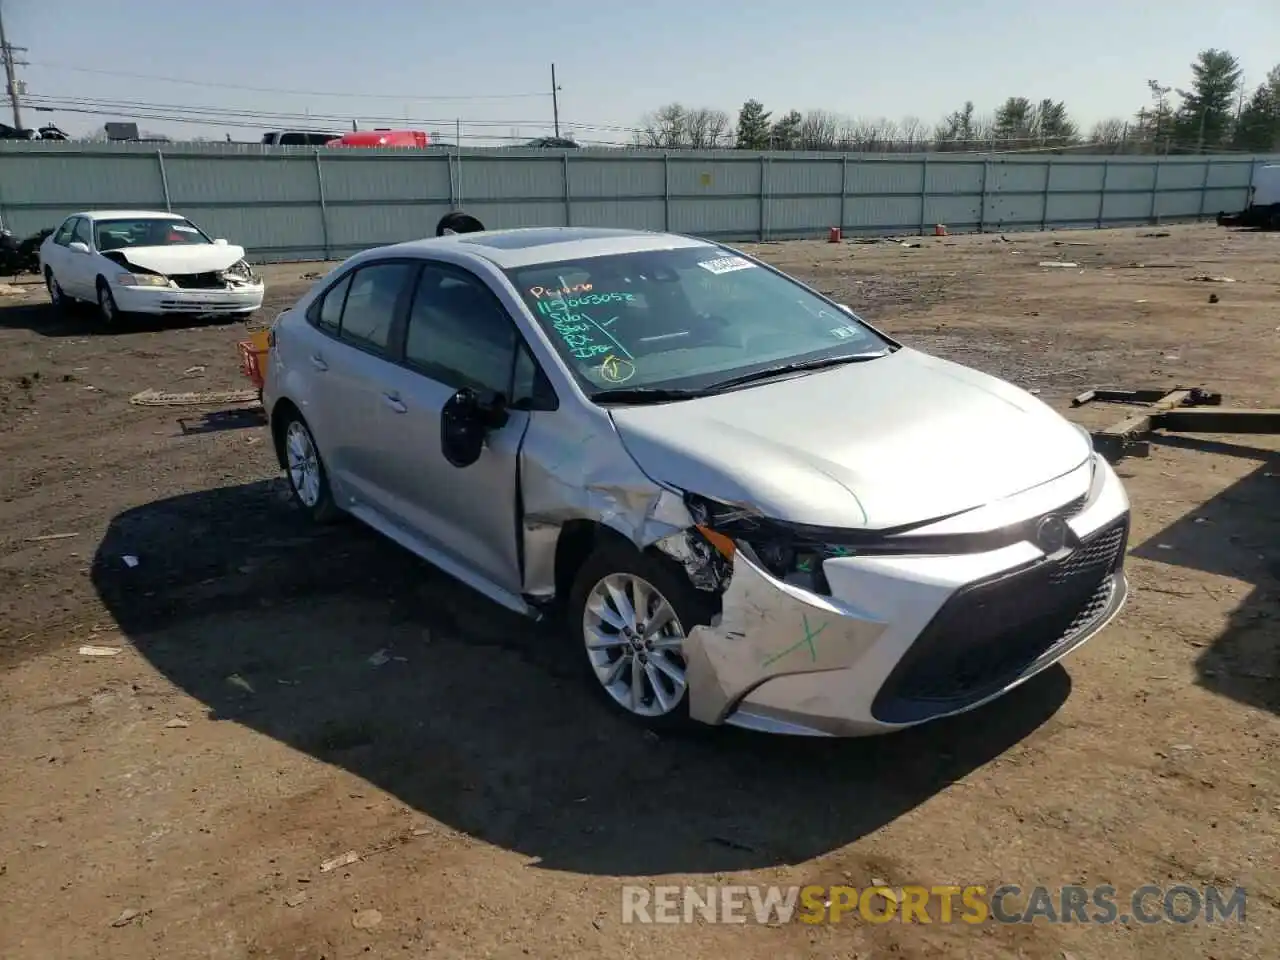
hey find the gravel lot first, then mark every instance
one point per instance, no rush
(241, 737)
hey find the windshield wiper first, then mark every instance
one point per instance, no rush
(801, 366)
(646, 395)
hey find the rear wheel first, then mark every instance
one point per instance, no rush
(308, 479)
(629, 615)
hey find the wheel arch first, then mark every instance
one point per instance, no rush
(280, 414)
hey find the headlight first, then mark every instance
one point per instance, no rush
(240, 269)
(142, 280)
(787, 551)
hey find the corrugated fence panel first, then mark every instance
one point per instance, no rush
(611, 179)
(285, 203)
(707, 178)
(389, 179)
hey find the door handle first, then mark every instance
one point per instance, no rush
(394, 402)
(317, 361)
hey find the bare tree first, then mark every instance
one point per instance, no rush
(666, 128)
(914, 132)
(705, 129)
(1109, 135)
(819, 130)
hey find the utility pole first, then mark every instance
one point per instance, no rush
(10, 75)
(555, 100)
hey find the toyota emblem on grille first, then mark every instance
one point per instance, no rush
(1052, 534)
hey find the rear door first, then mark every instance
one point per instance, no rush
(348, 349)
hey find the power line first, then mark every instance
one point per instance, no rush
(213, 121)
(225, 116)
(404, 97)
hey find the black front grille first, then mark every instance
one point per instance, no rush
(198, 281)
(990, 632)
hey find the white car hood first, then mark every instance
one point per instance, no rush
(185, 258)
(897, 440)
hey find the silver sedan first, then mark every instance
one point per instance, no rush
(750, 506)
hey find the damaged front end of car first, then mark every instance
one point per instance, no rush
(239, 276)
(764, 578)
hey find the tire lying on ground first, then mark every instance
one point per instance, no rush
(458, 222)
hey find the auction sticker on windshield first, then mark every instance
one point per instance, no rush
(726, 265)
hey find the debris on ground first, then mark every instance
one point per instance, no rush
(1161, 233)
(240, 683)
(127, 916)
(156, 398)
(130, 560)
(296, 899)
(1213, 298)
(1058, 263)
(1071, 243)
(366, 919)
(51, 536)
(177, 723)
(1205, 278)
(345, 860)
(193, 371)
(379, 658)
(99, 651)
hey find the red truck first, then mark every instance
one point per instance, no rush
(381, 138)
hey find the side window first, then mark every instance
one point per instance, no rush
(82, 233)
(328, 312)
(371, 304)
(63, 236)
(458, 332)
(530, 388)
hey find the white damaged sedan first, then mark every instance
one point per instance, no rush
(147, 262)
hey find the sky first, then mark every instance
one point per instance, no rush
(484, 67)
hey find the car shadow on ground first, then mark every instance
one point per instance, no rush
(82, 320)
(343, 646)
(1236, 534)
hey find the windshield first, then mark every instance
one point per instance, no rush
(682, 319)
(146, 232)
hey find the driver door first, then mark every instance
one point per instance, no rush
(457, 334)
(79, 277)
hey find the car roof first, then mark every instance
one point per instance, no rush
(529, 246)
(128, 215)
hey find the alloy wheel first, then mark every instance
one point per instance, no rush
(304, 463)
(634, 640)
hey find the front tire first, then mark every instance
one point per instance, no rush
(629, 613)
(308, 479)
(57, 299)
(107, 309)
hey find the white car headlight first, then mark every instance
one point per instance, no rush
(141, 280)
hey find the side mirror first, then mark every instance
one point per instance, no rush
(220, 242)
(78, 246)
(466, 419)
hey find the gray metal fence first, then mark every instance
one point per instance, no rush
(305, 203)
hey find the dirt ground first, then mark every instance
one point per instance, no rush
(179, 798)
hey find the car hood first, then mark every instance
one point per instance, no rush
(193, 258)
(901, 439)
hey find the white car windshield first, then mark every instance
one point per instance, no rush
(684, 319)
(146, 232)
